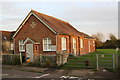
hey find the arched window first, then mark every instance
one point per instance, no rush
(81, 43)
(47, 44)
(74, 43)
(63, 43)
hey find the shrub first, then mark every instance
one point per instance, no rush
(34, 64)
(16, 60)
(47, 63)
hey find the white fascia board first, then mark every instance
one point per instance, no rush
(28, 39)
(44, 23)
(22, 24)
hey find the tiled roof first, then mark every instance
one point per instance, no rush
(6, 35)
(59, 26)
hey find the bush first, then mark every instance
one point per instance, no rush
(16, 60)
(35, 63)
(47, 63)
(43, 61)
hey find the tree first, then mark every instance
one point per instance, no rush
(99, 39)
(99, 36)
(112, 43)
(112, 37)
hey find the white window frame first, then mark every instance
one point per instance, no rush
(21, 46)
(74, 43)
(81, 43)
(63, 43)
(48, 44)
(93, 43)
(11, 46)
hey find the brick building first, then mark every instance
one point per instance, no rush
(6, 42)
(43, 34)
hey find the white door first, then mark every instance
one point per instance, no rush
(29, 50)
(74, 45)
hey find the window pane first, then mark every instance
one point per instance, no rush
(49, 41)
(45, 41)
(74, 43)
(21, 41)
(20, 47)
(81, 43)
(11, 46)
(49, 46)
(45, 47)
(63, 42)
(23, 47)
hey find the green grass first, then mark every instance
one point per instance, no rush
(78, 62)
(105, 51)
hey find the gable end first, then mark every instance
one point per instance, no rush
(28, 16)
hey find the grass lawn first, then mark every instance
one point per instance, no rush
(105, 51)
(105, 59)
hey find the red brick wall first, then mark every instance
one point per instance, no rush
(92, 45)
(82, 51)
(79, 50)
(37, 34)
(59, 46)
(86, 46)
(40, 31)
(69, 43)
(77, 44)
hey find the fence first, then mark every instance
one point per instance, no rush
(119, 60)
(15, 59)
(10, 59)
(44, 61)
(48, 60)
(108, 61)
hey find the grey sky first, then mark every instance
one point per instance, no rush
(88, 17)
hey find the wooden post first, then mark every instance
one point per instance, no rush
(97, 63)
(117, 61)
(113, 61)
(20, 58)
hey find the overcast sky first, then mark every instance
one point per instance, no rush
(88, 17)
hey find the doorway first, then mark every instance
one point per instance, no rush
(29, 51)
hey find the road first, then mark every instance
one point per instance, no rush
(52, 73)
(10, 73)
(59, 73)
